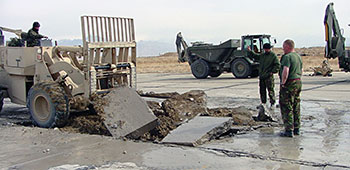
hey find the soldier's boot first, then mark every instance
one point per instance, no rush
(287, 133)
(296, 131)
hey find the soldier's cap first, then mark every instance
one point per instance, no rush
(267, 46)
(36, 24)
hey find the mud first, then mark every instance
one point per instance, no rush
(86, 124)
(171, 113)
(90, 122)
(180, 108)
(241, 115)
(187, 105)
(157, 95)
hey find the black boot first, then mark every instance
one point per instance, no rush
(287, 133)
(296, 131)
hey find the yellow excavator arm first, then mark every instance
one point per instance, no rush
(335, 46)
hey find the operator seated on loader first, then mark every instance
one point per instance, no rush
(33, 37)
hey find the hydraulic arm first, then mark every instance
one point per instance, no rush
(335, 41)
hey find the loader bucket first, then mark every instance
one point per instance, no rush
(127, 114)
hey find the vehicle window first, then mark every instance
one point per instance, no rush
(266, 40)
(247, 42)
(256, 45)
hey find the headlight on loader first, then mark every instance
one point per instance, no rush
(38, 55)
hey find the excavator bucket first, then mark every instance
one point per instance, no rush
(127, 114)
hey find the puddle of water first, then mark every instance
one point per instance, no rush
(325, 134)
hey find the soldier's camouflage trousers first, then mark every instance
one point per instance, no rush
(269, 84)
(290, 104)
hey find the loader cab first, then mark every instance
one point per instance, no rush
(255, 42)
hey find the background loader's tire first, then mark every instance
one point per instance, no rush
(48, 105)
(200, 69)
(216, 73)
(2, 96)
(240, 68)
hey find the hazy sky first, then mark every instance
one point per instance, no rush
(205, 20)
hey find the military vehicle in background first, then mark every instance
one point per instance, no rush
(335, 46)
(54, 81)
(230, 56)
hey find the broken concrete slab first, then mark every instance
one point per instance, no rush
(176, 110)
(266, 115)
(199, 130)
(127, 114)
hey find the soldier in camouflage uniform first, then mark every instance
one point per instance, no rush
(290, 74)
(33, 37)
(269, 65)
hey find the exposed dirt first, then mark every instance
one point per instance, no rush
(187, 105)
(241, 115)
(171, 113)
(90, 122)
(157, 95)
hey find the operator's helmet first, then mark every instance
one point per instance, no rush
(36, 24)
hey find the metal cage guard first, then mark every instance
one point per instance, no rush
(109, 41)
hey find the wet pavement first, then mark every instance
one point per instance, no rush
(323, 144)
(325, 113)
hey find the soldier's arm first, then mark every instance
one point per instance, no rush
(285, 74)
(36, 35)
(39, 36)
(253, 55)
(276, 64)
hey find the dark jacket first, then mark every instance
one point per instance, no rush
(269, 63)
(33, 38)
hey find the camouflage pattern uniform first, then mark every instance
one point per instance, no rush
(290, 92)
(269, 84)
(269, 65)
(290, 104)
(33, 38)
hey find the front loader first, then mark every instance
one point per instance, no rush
(231, 56)
(54, 82)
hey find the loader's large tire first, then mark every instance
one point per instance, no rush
(200, 69)
(240, 68)
(48, 105)
(2, 96)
